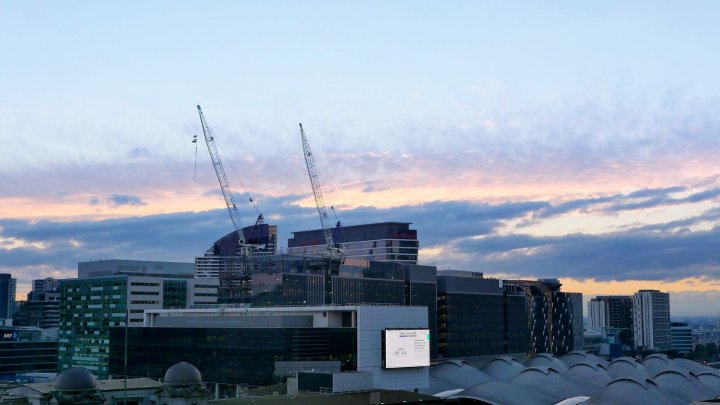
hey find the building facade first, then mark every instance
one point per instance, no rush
(26, 349)
(477, 317)
(7, 296)
(612, 313)
(552, 315)
(89, 307)
(224, 255)
(258, 346)
(112, 267)
(681, 338)
(42, 308)
(651, 320)
(384, 241)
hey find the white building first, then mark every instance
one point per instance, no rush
(651, 319)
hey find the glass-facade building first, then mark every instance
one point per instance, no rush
(476, 317)
(554, 317)
(229, 355)
(25, 350)
(7, 296)
(89, 307)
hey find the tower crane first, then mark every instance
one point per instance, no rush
(333, 250)
(245, 248)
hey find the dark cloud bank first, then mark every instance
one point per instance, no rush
(469, 231)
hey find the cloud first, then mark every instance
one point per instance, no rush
(124, 199)
(617, 256)
(94, 200)
(138, 152)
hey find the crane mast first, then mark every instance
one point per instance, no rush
(317, 192)
(224, 185)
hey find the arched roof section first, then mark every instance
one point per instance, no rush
(684, 385)
(503, 393)
(627, 367)
(459, 373)
(547, 360)
(695, 367)
(581, 356)
(591, 379)
(711, 381)
(656, 363)
(632, 391)
(503, 368)
(547, 380)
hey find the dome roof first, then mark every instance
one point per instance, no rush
(75, 379)
(182, 374)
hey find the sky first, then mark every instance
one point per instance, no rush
(521, 139)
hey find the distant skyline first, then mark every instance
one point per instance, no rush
(523, 140)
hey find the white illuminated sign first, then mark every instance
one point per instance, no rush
(407, 348)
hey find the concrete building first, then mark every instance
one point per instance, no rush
(7, 296)
(90, 306)
(476, 317)
(651, 320)
(258, 346)
(42, 308)
(383, 242)
(612, 312)
(681, 338)
(112, 267)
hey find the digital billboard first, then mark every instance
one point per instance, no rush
(406, 348)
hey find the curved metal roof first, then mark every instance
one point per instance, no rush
(549, 381)
(656, 363)
(581, 356)
(632, 391)
(627, 367)
(592, 379)
(460, 374)
(548, 360)
(684, 385)
(503, 368)
(503, 393)
(710, 380)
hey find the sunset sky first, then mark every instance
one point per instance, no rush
(521, 139)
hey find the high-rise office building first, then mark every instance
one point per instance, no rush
(651, 320)
(477, 317)
(90, 306)
(7, 296)
(382, 242)
(553, 316)
(613, 314)
(42, 308)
